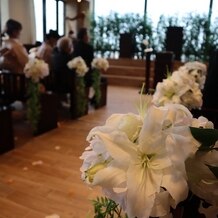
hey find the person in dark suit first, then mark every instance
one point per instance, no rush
(84, 49)
(63, 76)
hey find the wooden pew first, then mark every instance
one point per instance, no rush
(6, 130)
(13, 87)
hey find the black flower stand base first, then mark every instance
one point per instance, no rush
(6, 130)
(103, 98)
(190, 208)
(48, 114)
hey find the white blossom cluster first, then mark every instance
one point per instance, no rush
(182, 87)
(36, 69)
(100, 63)
(79, 65)
(140, 162)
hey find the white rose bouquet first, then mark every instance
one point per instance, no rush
(183, 86)
(80, 100)
(100, 64)
(196, 70)
(146, 44)
(79, 65)
(36, 69)
(140, 162)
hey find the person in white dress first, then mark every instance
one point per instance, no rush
(13, 55)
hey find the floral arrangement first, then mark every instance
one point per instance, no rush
(35, 69)
(98, 65)
(79, 65)
(146, 44)
(80, 97)
(182, 87)
(195, 70)
(143, 162)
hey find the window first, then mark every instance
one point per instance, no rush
(51, 17)
(214, 10)
(61, 18)
(176, 8)
(38, 20)
(51, 11)
(104, 7)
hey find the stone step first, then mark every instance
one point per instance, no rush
(125, 71)
(125, 80)
(126, 62)
(130, 72)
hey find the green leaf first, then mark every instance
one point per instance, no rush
(214, 170)
(207, 137)
(106, 208)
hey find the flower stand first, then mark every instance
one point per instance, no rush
(190, 208)
(79, 99)
(48, 113)
(103, 91)
(6, 130)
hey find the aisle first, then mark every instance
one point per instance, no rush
(42, 177)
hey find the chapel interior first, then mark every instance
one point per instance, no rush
(40, 173)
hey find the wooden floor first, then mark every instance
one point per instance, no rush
(42, 177)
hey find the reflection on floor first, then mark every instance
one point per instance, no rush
(41, 176)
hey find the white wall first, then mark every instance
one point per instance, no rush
(72, 9)
(22, 11)
(4, 13)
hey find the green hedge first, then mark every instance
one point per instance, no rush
(200, 36)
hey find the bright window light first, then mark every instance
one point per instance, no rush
(105, 7)
(39, 20)
(177, 8)
(51, 21)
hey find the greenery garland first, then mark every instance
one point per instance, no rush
(33, 104)
(80, 99)
(96, 79)
(107, 208)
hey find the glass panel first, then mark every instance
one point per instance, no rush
(61, 18)
(104, 7)
(50, 15)
(38, 20)
(214, 10)
(176, 8)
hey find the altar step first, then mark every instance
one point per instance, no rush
(119, 80)
(130, 72)
(126, 72)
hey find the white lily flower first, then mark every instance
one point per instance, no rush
(143, 173)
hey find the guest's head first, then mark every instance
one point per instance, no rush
(64, 45)
(13, 28)
(83, 35)
(52, 37)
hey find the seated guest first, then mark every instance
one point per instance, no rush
(85, 50)
(62, 54)
(71, 35)
(13, 55)
(44, 52)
